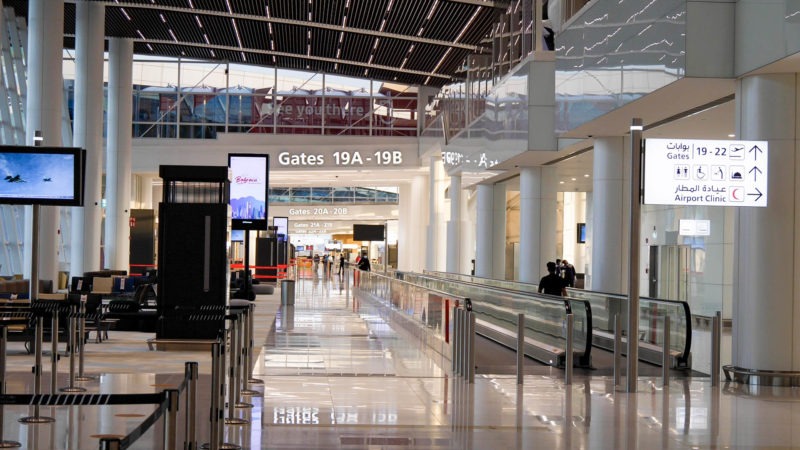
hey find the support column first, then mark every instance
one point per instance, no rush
(410, 252)
(484, 231)
(88, 133)
(609, 227)
(454, 225)
(537, 222)
(118, 153)
(433, 215)
(766, 299)
(499, 231)
(43, 112)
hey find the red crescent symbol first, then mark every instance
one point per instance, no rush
(733, 194)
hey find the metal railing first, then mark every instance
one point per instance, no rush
(424, 312)
(604, 308)
(545, 318)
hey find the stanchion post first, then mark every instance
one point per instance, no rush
(251, 343)
(73, 342)
(617, 350)
(37, 374)
(54, 355)
(239, 361)
(191, 371)
(214, 437)
(232, 382)
(471, 360)
(38, 343)
(3, 339)
(171, 419)
(110, 444)
(520, 349)
(716, 347)
(665, 357)
(568, 357)
(82, 344)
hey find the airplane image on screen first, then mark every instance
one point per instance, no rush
(14, 179)
(47, 180)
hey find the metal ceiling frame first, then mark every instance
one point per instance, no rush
(300, 23)
(286, 54)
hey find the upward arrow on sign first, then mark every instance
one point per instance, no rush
(755, 171)
(755, 151)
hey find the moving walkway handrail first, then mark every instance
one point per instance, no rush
(528, 297)
(578, 293)
(432, 315)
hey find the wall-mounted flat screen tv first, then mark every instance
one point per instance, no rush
(42, 175)
(581, 233)
(368, 232)
(249, 184)
(237, 235)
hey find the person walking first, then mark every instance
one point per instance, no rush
(341, 264)
(552, 284)
(363, 263)
(568, 272)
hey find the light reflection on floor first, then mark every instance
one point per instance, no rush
(340, 377)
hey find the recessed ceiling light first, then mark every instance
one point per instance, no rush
(573, 179)
(731, 135)
(560, 182)
(586, 175)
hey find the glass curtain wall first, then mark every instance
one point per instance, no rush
(190, 99)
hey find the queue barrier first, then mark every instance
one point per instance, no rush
(240, 335)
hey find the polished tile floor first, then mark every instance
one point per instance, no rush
(338, 376)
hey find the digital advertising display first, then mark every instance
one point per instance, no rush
(249, 185)
(41, 175)
(237, 236)
(282, 224)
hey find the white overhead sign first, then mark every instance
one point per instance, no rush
(690, 227)
(695, 172)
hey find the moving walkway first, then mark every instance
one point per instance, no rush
(601, 310)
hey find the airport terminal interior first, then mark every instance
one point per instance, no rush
(460, 224)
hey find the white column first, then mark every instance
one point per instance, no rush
(146, 192)
(118, 153)
(537, 222)
(484, 232)
(43, 112)
(88, 133)
(766, 299)
(499, 231)
(433, 216)
(454, 225)
(411, 225)
(609, 227)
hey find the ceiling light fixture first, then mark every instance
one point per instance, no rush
(432, 10)
(466, 27)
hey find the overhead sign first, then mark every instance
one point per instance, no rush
(691, 227)
(694, 172)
